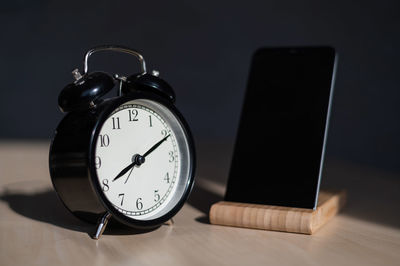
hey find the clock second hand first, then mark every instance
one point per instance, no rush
(139, 159)
(130, 172)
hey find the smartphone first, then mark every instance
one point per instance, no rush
(280, 145)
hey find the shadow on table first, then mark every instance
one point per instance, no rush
(202, 199)
(46, 207)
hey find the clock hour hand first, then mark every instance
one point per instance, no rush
(124, 171)
(137, 160)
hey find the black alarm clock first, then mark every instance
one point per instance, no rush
(130, 158)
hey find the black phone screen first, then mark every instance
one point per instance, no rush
(280, 144)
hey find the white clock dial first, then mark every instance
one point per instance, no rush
(147, 141)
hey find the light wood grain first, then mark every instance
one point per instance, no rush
(277, 218)
(35, 229)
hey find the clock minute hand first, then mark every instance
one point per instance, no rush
(155, 146)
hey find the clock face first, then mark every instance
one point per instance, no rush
(142, 159)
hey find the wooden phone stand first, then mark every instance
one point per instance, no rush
(277, 218)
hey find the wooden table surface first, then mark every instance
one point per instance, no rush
(35, 228)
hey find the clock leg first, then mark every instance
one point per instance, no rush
(101, 225)
(169, 222)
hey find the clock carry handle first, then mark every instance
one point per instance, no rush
(116, 49)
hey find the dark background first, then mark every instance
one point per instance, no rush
(203, 49)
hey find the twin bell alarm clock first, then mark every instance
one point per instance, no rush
(131, 157)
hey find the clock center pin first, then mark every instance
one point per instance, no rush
(138, 159)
